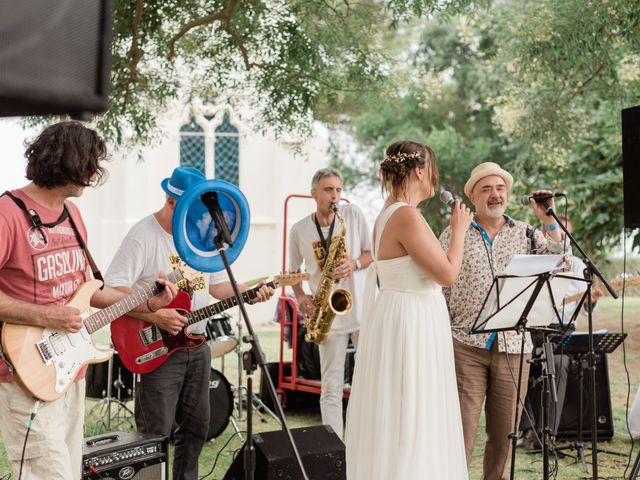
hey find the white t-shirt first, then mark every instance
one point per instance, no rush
(304, 242)
(575, 287)
(147, 250)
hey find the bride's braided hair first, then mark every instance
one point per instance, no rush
(400, 159)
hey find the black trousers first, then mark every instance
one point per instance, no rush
(178, 390)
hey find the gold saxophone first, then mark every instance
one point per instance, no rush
(327, 301)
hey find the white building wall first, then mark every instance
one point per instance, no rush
(269, 172)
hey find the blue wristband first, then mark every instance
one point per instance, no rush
(553, 226)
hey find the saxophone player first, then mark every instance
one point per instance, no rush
(310, 240)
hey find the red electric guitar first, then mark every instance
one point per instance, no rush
(143, 347)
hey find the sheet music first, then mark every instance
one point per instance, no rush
(514, 293)
(527, 265)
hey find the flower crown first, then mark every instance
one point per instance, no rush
(400, 158)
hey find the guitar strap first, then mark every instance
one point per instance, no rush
(37, 223)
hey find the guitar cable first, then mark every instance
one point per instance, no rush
(215, 461)
(26, 436)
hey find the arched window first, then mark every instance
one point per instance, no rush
(227, 152)
(192, 147)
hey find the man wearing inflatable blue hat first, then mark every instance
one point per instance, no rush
(178, 389)
(311, 241)
(485, 362)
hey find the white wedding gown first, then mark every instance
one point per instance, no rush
(403, 420)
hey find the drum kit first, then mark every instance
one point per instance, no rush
(113, 386)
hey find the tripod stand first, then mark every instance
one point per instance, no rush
(578, 345)
(240, 392)
(222, 241)
(111, 412)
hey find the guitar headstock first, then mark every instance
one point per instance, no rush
(625, 280)
(289, 279)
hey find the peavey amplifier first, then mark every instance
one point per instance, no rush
(125, 456)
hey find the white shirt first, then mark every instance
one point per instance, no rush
(575, 287)
(304, 242)
(147, 250)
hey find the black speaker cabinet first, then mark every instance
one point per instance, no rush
(321, 450)
(55, 57)
(631, 165)
(125, 456)
(568, 428)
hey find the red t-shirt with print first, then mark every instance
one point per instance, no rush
(35, 270)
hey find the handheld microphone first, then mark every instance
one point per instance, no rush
(540, 198)
(447, 197)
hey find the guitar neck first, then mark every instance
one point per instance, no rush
(104, 317)
(219, 307)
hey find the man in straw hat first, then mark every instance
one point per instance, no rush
(177, 392)
(485, 362)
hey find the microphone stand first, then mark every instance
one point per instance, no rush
(590, 271)
(256, 355)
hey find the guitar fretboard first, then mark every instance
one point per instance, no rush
(102, 318)
(219, 307)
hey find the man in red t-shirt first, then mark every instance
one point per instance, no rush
(40, 268)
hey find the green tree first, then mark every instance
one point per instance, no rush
(537, 87)
(289, 61)
(439, 97)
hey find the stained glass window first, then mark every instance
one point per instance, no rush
(192, 145)
(227, 152)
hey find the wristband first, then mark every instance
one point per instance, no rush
(149, 307)
(358, 264)
(553, 226)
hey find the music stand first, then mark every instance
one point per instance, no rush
(590, 272)
(531, 301)
(578, 344)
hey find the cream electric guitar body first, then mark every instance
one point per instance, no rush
(45, 361)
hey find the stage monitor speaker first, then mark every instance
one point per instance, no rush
(631, 165)
(55, 57)
(125, 455)
(568, 428)
(321, 450)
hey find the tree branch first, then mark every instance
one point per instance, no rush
(135, 54)
(587, 81)
(224, 15)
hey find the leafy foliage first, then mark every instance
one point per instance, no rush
(536, 87)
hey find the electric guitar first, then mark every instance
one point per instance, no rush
(616, 283)
(45, 361)
(143, 346)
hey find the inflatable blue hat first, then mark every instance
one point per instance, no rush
(181, 179)
(194, 230)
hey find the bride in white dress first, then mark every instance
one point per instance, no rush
(403, 420)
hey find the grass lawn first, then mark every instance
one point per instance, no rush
(528, 466)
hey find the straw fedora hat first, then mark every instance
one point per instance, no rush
(484, 170)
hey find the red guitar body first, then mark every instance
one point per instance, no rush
(143, 347)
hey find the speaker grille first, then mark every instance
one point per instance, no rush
(54, 56)
(569, 421)
(631, 165)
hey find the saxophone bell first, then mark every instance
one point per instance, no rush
(340, 301)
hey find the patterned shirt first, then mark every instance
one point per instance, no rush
(482, 260)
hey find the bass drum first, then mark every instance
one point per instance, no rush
(220, 403)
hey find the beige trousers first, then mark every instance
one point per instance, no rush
(485, 376)
(54, 446)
